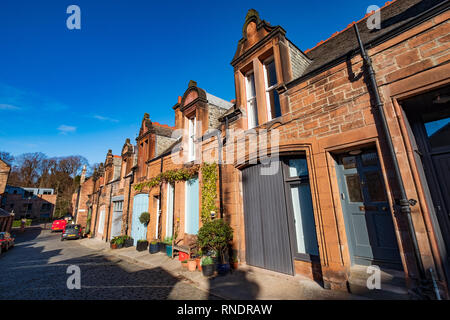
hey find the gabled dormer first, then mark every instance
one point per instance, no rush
(265, 60)
(113, 164)
(196, 112)
(153, 139)
(128, 158)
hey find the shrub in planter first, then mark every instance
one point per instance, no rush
(113, 243)
(144, 218)
(184, 263)
(128, 241)
(208, 266)
(169, 250)
(215, 235)
(154, 247)
(119, 242)
(142, 245)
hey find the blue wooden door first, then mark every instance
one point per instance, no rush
(366, 209)
(138, 230)
(192, 207)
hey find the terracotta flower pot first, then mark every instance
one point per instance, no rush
(192, 265)
(184, 265)
(199, 264)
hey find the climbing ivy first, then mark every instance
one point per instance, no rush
(170, 176)
(209, 190)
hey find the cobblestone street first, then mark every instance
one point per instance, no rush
(36, 268)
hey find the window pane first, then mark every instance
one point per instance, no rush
(251, 90)
(369, 159)
(349, 162)
(354, 188)
(305, 229)
(275, 108)
(438, 132)
(375, 187)
(252, 113)
(271, 74)
(298, 167)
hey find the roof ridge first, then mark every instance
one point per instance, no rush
(388, 3)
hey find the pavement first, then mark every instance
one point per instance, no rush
(245, 283)
(37, 268)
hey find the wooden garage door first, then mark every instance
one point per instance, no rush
(266, 224)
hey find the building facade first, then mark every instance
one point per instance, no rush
(327, 160)
(29, 202)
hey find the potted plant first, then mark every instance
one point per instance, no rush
(208, 266)
(154, 247)
(142, 245)
(119, 242)
(198, 259)
(192, 265)
(144, 218)
(216, 235)
(234, 263)
(128, 241)
(112, 243)
(184, 263)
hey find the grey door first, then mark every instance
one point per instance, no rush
(266, 225)
(367, 216)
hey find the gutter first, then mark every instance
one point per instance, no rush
(109, 213)
(129, 197)
(94, 232)
(403, 202)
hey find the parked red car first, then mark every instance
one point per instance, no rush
(6, 241)
(59, 225)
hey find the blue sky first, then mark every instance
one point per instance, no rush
(85, 91)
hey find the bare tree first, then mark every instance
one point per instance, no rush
(7, 157)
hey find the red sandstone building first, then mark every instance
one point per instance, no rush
(359, 146)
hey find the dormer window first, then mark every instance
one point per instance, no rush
(272, 98)
(252, 108)
(191, 137)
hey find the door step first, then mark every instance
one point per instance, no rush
(392, 284)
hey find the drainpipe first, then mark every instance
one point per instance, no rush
(403, 202)
(128, 203)
(160, 202)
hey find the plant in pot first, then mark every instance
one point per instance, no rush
(216, 235)
(144, 218)
(119, 242)
(208, 266)
(184, 263)
(128, 241)
(142, 245)
(112, 243)
(198, 259)
(154, 247)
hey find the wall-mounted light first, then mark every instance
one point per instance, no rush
(355, 152)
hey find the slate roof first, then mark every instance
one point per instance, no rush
(218, 102)
(393, 15)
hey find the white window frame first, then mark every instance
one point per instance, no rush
(192, 133)
(251, 109)
(267, 88)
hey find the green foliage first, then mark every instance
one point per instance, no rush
(209, 190)
(140, 241)
(144, 218)
(18, 223)
(168, 240)
(170, 176)
(154, 242)
(215, 235)
(206, 261)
